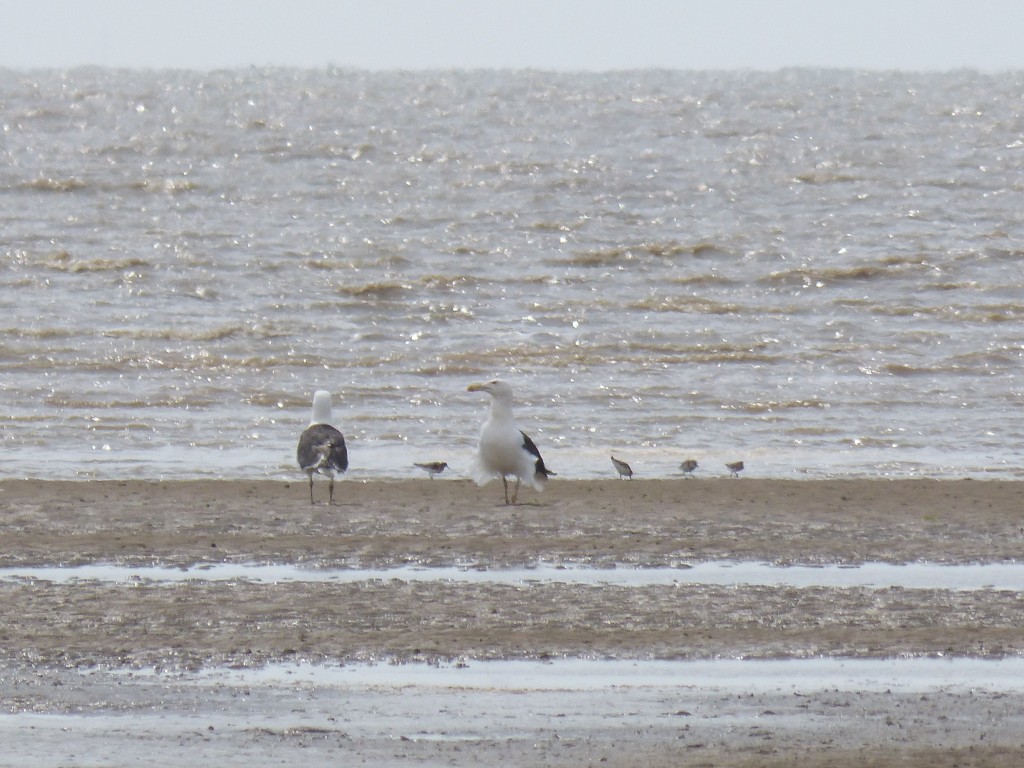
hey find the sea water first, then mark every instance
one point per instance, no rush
(818, 272)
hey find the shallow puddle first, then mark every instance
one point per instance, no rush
(989, 576)
(747, 675)
(572, 711)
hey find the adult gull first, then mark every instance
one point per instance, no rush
(322, 447)
(505, 450)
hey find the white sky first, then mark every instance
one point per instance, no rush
(542, 34)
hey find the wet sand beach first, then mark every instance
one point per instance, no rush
(79, 656)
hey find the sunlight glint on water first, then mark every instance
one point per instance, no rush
(816, 272)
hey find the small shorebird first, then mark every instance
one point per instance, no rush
(433, 468)
(688, 466)
(624, 470)
(321, 448)
(505, 450)
(735, 468)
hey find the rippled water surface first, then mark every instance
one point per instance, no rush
(817, 272)
(971, 576)
(746, 675)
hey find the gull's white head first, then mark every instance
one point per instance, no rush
(496, 388)
(321, 407)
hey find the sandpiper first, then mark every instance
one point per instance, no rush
(735, 468)
(688, 466)
(624, 470)
(433, 468)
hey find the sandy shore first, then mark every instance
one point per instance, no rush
(649, 522)
(50, 630)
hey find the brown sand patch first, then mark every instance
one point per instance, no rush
(47, 629)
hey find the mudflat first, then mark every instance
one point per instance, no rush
(646, 522)
(51, 630)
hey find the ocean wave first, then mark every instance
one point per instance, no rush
(465, 249)
(982, 313)
(379, 290)
(891, 441)
(441, 312)
(968, 364)
(62, 261)
(663, 250)
(768, 406)
(996, 254)
(812, 276)
(188, 359)
(552, 226)
(646, 354)
(447, 366)
(176, 333)
(720, 350)
(512, 167)
(704, 306)
(522, 356)
(706, 279)
(450, 283)
(48, 184)
(191, 399)
(328, 262)
(821, 176)
(169, 186)
(907, 369)
(45, 333)
(973, 362)
(819, 430)
(695, 304)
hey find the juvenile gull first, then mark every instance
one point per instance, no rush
(322, 447)
(624, 470)
(735, 468)
(505, 450)
(433, 467)
(688, 466)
